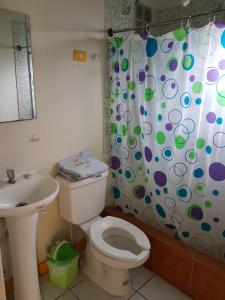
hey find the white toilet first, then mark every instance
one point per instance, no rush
(113, 245)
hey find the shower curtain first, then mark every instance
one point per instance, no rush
(168, 132)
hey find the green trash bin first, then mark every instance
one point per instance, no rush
(62, 264)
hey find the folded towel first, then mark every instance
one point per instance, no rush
(81, 166)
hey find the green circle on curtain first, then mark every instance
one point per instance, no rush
(124, 64)
(160, 137)
(192, 155)
(124, 130)
(188, 62)
(118, 41)
(221, 100)
(200, 143)
(131, 85)
(197, 87)
(113, 128)
(180, 142)
(148, 94)
(137, 130)
(208, 204)
(180, 34)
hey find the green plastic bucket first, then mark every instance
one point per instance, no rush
(62, 272)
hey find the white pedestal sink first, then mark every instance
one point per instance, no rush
(20, 205)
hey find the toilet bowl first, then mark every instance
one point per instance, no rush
(114, 246)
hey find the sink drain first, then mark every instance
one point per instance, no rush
(21, 204)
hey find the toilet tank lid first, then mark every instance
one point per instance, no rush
(76, 184)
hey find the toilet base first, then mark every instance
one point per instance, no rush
(113, 280)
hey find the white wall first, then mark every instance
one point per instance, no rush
(69, 95)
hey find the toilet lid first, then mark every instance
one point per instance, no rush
(99, 227)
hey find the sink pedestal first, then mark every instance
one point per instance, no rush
(22, 237)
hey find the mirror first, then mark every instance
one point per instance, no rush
(17, 101)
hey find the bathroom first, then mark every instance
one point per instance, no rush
(73, 112)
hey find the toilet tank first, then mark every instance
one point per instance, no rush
(82, 200)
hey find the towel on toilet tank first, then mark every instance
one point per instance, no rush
(81, 166)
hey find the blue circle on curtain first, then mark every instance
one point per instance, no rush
(119, 140)
(167, 153)
(223, 39)
(198, 173)
(151, 46)
(185, 99)
(129, 174)
(188, 62)
(160, 211)
(138, 155)
(124, 95)
(184, 193)
(206, 226)
(116, 192)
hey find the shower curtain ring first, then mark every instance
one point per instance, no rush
(189, 20)
(182, 22)
(212, 20)
(147, 28)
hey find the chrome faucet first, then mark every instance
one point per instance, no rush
(11, 176)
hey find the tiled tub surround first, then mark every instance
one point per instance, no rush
(192, 272)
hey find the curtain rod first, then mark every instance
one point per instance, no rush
(146, 27)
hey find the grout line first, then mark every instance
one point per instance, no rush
(142, 296)
(153, 275)
(75, 295)
(61, 295)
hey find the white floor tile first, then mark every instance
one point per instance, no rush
(139, 276)
(87, 290)
(80, 277)
(67, 296)
(49, 291)
(159, 289)
(137, 296)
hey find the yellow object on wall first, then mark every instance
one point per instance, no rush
(79, 55)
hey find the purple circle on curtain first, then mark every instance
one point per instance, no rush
(115, 162)
(192, 78)
(211, 117)
(222, 64)
(141, 76)
(173, 85)
(212, 75)
(144, 35)
(220, 25)
(169, 126)
(160, 178)
(117, 67)
(163, 77)
(128, 78)
(146, 68)
(173, 65)
(217, 171)
(148, 154)
(142, 109)
(197, 213)
(118, 117)
(170, 45)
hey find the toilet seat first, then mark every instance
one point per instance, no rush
(98, 228)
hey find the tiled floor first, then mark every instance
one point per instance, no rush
(145, 284)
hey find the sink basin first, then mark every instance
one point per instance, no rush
(20, 205)
(32, 192)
